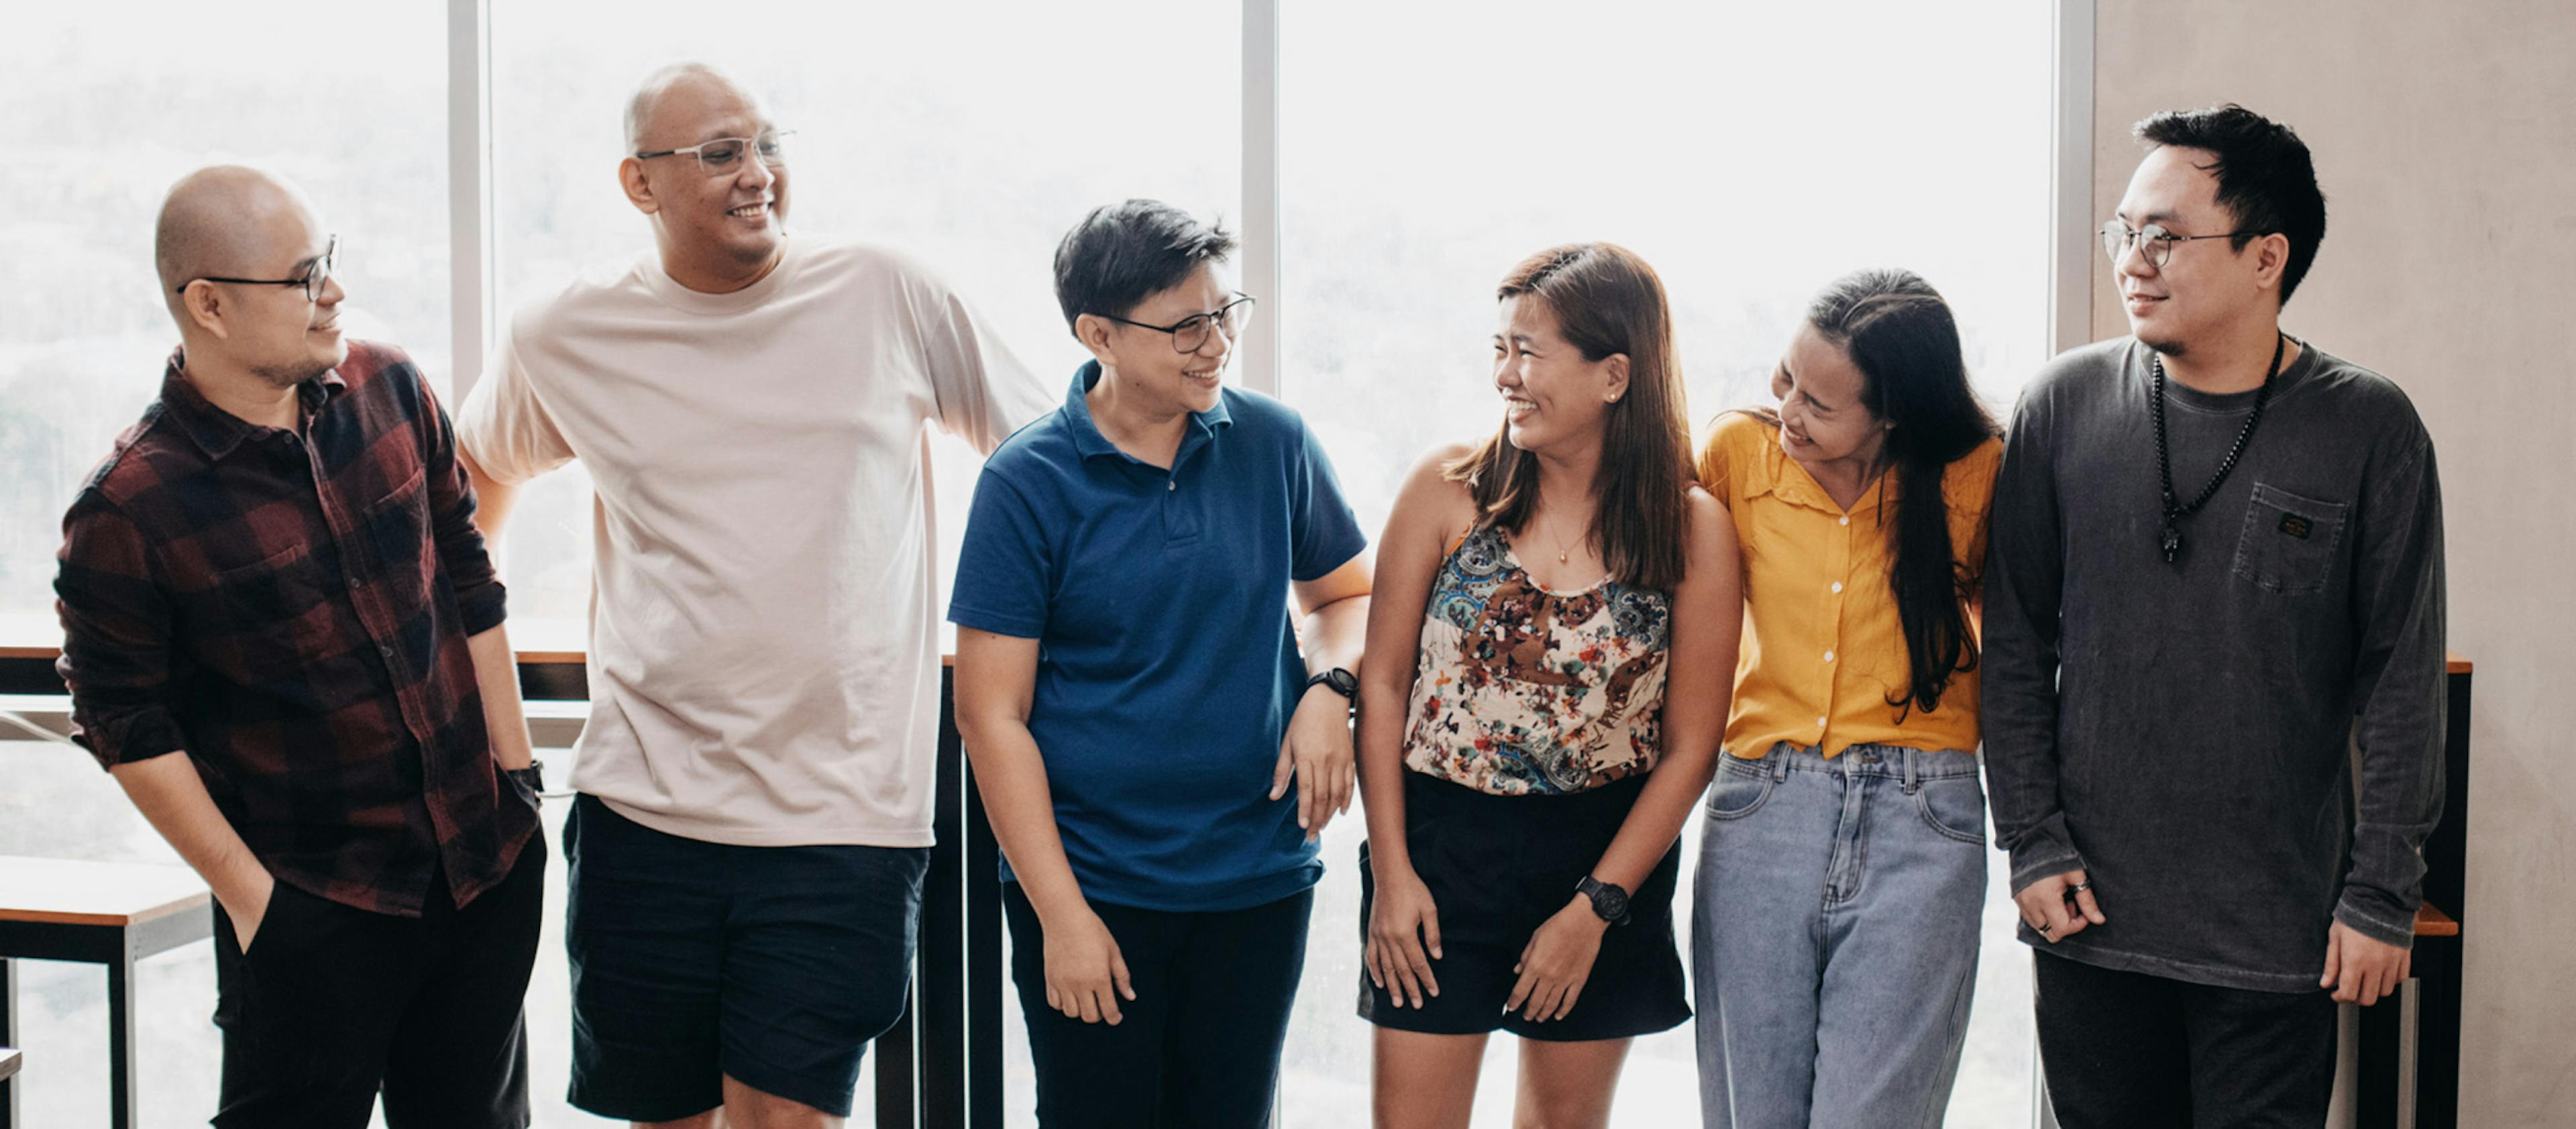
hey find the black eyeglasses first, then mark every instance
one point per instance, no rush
(723, 156)
(1190, 334)
(2153, 241)
(316, 276)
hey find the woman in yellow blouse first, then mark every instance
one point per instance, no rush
(1842, 872)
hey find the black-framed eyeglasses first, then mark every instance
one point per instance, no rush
(2153, 241)
(316, 275)
(1190, 334)
(723, 156)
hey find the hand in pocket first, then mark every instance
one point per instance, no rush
(248, 921)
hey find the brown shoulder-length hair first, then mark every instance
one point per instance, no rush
(1606, 300)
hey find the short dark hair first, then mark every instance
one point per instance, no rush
(2265, 176)
(1122, 254)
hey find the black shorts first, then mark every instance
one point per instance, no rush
(696, 961)
(1498, 868)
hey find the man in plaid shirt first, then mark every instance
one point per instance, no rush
(276, 574)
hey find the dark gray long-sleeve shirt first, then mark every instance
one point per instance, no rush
(2183, 732)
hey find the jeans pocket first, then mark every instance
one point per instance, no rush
(1741, 787)
(1955, 806)
(2289, 542)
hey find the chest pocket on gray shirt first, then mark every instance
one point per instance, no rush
(2288, 546)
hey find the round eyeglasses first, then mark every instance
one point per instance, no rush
(2153, 241)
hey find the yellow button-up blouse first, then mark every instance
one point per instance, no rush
(1823, 650)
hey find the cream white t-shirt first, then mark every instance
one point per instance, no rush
(764, 664)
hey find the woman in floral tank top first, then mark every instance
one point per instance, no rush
(1550, 649)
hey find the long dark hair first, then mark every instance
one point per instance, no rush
(1606, 301)
(1899, 334)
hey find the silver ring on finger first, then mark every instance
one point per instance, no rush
(2043, 928)
(2079, 887)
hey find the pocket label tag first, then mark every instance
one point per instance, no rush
(2297, 526)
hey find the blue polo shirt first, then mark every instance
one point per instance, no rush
(1167, 658)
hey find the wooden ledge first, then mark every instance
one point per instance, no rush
(2430, 922)
(68, 892)
(2459, 663)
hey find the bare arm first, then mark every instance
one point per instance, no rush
(996, 679)
(1404, 924)
(1708, 615)
(168, 792)
(494, 500)
(505, 717)
(1316, 750)
(1336, 607)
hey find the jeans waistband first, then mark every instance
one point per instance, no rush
(1896, 762)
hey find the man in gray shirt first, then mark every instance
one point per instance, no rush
(2216, 569)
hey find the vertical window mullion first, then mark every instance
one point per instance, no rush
(1261, 193)
(469, 190)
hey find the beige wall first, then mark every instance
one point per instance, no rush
(2445, 139)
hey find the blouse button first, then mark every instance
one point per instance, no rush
(1174, 484)
(1846, 519)
(1829, 656)
(1838, 586)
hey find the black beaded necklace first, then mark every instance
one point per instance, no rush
(2170, 537)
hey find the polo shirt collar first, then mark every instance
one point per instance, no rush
(216, 431)
(1088, 442)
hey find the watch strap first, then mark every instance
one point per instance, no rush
(1340, 681)
(1605, 898)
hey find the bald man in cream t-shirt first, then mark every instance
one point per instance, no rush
(756, 776)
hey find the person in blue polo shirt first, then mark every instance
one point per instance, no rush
(1131, 695)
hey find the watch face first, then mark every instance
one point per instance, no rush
(1609, 901)
(1614, 905)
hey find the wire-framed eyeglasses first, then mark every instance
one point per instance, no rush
(723, 156)
(1190, 334)
(2153, 241)
(317, 274)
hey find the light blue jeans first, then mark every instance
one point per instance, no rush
(1834, 938)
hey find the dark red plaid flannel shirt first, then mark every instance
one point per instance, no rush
(291, 612)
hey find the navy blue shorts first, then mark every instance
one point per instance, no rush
(695, 961)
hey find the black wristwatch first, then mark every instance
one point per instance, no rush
(1608, 901)
(533, 778)
(1342, 682)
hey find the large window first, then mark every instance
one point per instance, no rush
(118, 99)
(970, 136)
(1751, 153)
(113, 100)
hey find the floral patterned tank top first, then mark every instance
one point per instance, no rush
(1522, 691)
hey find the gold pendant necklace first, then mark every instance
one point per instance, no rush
(1563, 550)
